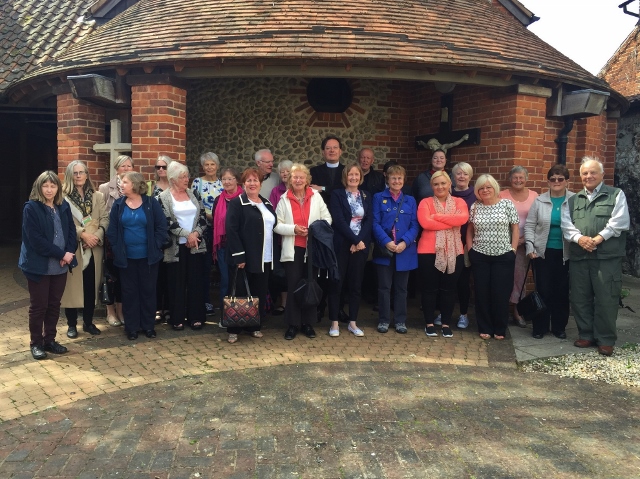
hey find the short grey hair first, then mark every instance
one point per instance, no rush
(285, 165)
(519, 169)
(209, 156)
(259, 153)
(587, 159)
(121, 159)
(166, 159)
(176, 170)
(466, 167)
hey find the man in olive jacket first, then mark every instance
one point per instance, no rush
(595, 222)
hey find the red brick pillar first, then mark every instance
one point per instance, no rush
(158, 125)
(596, 136)
(80, 126)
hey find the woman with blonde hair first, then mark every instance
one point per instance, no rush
(91, 220)
(112, 191)
(162, 183)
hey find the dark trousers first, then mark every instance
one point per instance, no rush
(552, 282)
(162, 289)
(493, 280)
(44, 307)
(138, 281)
(464, 289)
(89, 297)
(259, 286)
(112, 270)
(436, 285)
(207, 263)
(351, 267)
(294, 315)
(388, 276)
(184, 279)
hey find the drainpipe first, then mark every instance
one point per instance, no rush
(563, 138)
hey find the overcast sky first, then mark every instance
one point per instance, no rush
(587, 31)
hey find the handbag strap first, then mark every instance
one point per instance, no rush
(524, 281)
(246, 283)
(309, 256)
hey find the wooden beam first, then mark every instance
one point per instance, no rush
(148, 68)
(348, 67)
(178, 66)
(122, 71)
(506, 77)
(471, 73)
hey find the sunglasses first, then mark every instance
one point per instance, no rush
(161, 167)
(555, 179)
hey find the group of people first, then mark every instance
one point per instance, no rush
(157, 244)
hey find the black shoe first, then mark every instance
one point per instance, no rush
(151, 333)
(72, 332)
(308, 331)
(538, 336)
(55, 348)
(132, 335)
(291, 333)
(91, 329)
(38, 352)
(560, 335)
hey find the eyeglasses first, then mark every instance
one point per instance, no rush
(79, 173)
(556, 179)
(161, 167)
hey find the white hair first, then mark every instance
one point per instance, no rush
(588, 159)
(176, 170)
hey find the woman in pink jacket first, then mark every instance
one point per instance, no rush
(440, 251)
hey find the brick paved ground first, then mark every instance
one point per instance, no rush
(188, 404)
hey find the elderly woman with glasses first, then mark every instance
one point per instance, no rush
(111, 192)
(208, 188)
(91, 220)
(137, 231)
(550, 254)
(185, 255)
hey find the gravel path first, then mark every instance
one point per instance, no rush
(621, 368)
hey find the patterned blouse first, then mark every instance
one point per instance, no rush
(357, 211)
(492, 227)
(208, 191)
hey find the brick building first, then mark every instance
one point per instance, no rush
(235, 76)
(622, 72)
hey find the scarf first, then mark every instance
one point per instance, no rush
(219, 218)
(84, 205)
(446, 244)
(119, 185)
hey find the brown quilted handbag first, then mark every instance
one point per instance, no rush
(240, 312)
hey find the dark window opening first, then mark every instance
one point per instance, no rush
(329, 95)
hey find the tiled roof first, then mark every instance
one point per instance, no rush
(444, 34)
(34, 31)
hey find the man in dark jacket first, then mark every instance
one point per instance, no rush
(327, 177)
(373, 180)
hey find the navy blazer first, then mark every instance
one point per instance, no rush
(37, 237)
(341, 215)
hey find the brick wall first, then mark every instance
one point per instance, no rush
(80, 126)
(623, 71)
(158, 125)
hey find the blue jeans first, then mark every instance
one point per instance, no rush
(388, 276)
(224, 274)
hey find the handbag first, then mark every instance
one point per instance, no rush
(107, 292)
(308, 292)
(241, 312)
(381, 251)
(531, 305)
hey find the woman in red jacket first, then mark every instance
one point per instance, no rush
(440, 251)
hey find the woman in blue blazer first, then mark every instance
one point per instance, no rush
(46, 254)
(351, 211)
(395, 229)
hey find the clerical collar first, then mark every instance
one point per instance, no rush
(332, 165)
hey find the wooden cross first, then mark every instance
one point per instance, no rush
(114, 147)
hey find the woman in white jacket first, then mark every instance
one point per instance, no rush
(299, 207)
(546, 247)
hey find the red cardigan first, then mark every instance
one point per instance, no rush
(432, 222)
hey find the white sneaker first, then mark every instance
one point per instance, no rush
(463, 321)
(438, 320)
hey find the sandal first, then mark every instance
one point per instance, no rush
(196, 325)
(233, 338)
(113, 320)
(257, 334)
(498, 337)
(485, 336)
(178, 327)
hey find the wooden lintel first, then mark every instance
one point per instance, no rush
(303, 67)
(506, 77)
(178, 66)
(63, 78)
(158, 79)
(34, 86)
(148, 68)
(557, 84)
(391, 68)
(432, 71)
(122, 71)
(471, 73)
(51, 81)
(348, 67)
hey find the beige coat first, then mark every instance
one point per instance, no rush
(110, 192)
(73, 296)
